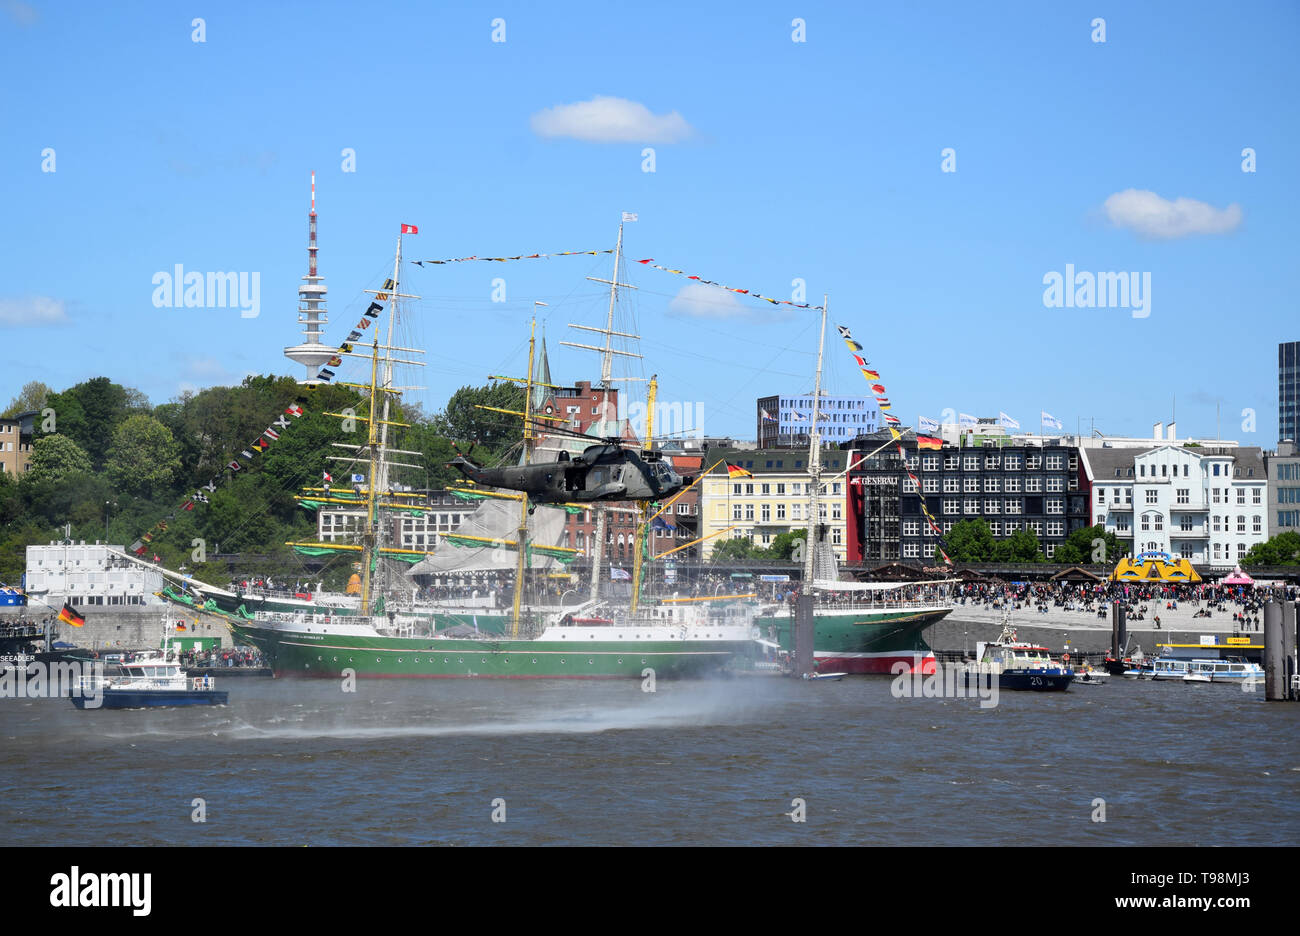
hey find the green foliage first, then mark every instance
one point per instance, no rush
(1283, 549)
(740, 547)
(54, 457)
(494, 431)
(1081, 547)
(143, 458)
(788, 545)
(115, 467)
(31, 397)
(90, 412)
(970, 541)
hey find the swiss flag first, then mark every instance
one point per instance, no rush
(410, 229)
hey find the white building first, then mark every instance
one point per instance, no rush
(1207, 505)
(90, 576)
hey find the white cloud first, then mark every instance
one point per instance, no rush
(709, 302)
(33, 311)
(1148, 215)
(610, 120)
(21, 13)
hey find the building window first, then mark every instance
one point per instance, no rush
(1055, 505)
(1055, 483)
(1055, 527)
(1146, 523)
(972, 505)
(1185, 524)
(1160, 523)
(931, 485)
(1011, 463)
(1254, 496)
(911, 527)
(1012, 505)
(1184, 496)
(1013, 486)
(766, 512)
(1241, 524)
(735, 489)
(1101, 495)
(971, 463)
(749, 512)
(1151, 496)
(1034, 485)
(992, 505)
(1257, 525)
(735, 512)
(951, 485)
(911, 550)
(992, 484)
(765, 488)
(951, 505)
(930, 463)
(1013, 526)
(1241, 497)
(1055, 462)
(780, 511)
(971, 485)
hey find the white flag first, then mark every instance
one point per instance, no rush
(629, 216)
(1050, 420)
(926, 424)
(1006, 421)
(966, 421)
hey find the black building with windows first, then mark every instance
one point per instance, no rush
(1011, 486)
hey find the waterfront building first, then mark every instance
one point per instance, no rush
(774, 500)
(89, 576)
(1288, 391)
(1205, 504)
(784, 421)
(16, 443)
(1012, 487)
(1283, 469)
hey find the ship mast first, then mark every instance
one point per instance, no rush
(643, 508)
(381, 386)
(521, 540)
(606, 379)
(814, 464)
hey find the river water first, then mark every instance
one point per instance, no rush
(695, 762)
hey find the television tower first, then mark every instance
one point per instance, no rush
(312, 314)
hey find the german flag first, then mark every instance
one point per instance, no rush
(928, 442)
(69, 615)
(735, 471)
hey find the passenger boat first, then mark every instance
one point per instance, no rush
(1018, 665)
(150, 680)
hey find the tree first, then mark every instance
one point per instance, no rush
(1082, 547)
(1020, 546)
(788, 545)
(89, 413)
(54, 457)
(144, 457)
(740, 547)
(970, 541)
(1283, 549)
(31, 397)
(494, 431)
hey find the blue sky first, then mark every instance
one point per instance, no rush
(818, 160)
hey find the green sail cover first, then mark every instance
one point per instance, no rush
(468, 495)
(316, 550)
(244, 613)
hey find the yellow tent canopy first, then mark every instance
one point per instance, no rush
(1155, 568)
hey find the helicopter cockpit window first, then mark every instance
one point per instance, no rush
(662, 470)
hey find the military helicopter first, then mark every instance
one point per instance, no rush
(605, 471)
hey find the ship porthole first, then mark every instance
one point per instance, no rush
(460, 660)
(399, 659)
(591, 662)
(320, 659)
(620, 659)
(561, 661)
(643, 661)
(483, 660)
(336, 659)
(534, 660)
(377, 660)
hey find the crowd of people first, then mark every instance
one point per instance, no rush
(238, 656)
(1141, 601)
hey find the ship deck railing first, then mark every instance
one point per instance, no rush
(876, 604)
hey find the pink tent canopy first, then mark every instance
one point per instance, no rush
(1238, 577)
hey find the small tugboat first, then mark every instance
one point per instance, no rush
(150, 680)
(1019, 665)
